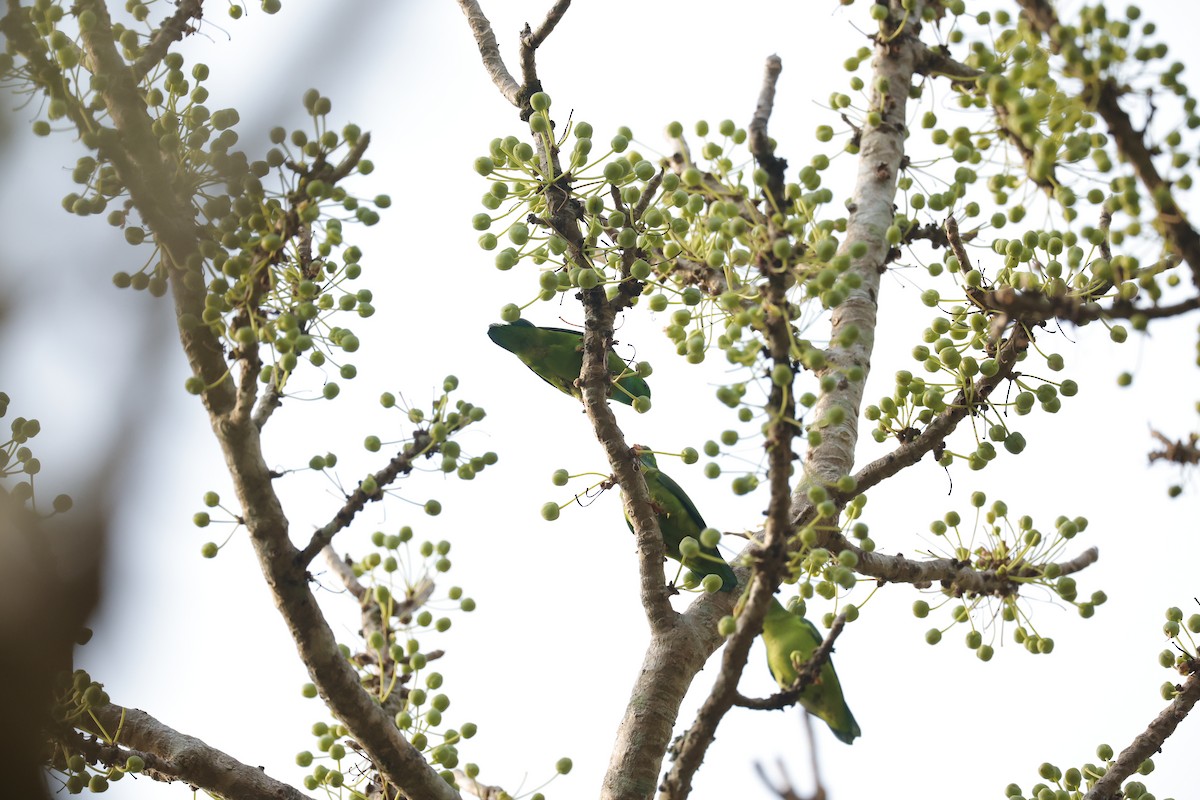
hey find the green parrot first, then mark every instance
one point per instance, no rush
(791, 640)
(556, 355)
(678, 518)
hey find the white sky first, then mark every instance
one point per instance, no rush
(545, 664)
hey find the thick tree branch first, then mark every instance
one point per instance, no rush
(937, 63)
(1149, 741)
(871, 212)
(553, 17)
(673, 655)
(174, 756)
(676, 651)
(166, 207)
(336, 679)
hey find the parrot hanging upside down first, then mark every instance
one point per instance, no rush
(556, 356)
(791, 640)
(677, 519)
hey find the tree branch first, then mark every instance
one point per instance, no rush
(485, 40)
(871, 210)
(770, 560)
(553, 17)
(1104, 96)
(760, 143)
(1149, 741)
(483, 791)
(401, 464)
(166, 208)
(530, 42)
(1178, 451)
(968, 399)
(174, 756)
(172, 30)
(959, 577)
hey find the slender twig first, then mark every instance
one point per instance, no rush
(969, 398)
(553, 17)
(485, 40)
(344, 572)
(648, 195)
(804, 676)
(483, 791)
(173, 29)
(421, 446)
(760, 143)
(1177, 451)
(785, 791)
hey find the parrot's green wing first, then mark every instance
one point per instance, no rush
(678, 518)
(556, 356)
(786, 634)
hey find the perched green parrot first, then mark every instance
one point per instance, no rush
(791, 640)
(556, 355)
(678, 518)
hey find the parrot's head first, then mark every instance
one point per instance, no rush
(501, 333)
(645, 455)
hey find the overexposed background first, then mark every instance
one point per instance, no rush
(545, 663)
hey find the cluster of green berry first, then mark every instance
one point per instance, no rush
(1184, 658)
(1014, 550)
(97, 764)
(1074, 783)
(16, 458)
(391, 660)
(270, 263)
(949, 342)
(694, 236)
